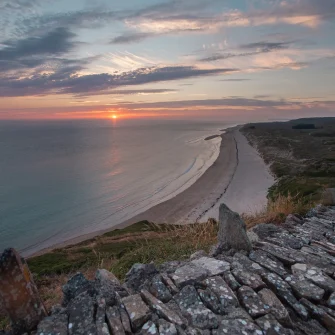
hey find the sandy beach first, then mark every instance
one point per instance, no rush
(239, 177)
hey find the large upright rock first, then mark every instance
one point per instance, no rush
(232, 231)
(19, 293)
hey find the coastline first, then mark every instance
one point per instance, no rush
(196, 203)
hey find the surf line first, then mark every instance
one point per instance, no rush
(226, 188)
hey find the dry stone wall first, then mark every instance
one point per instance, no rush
(284, 285)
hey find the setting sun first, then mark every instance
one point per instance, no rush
(113, 116)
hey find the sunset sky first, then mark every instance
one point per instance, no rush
(243, 59)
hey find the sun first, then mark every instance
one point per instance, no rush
(113, 116)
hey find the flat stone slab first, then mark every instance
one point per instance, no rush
(211, 301)
(252, 302)
(277, 308)
(223, 292)
(54, 325)
(162, 310)
(194, 310)
(189, 275)
(166, 328)
(159, 289)
(213, 266)
(237, 327)
(114, 321)
(137, 310)
(304, 288)
(283, 290)
(252, 280)
(271, 326)
(331, 301)
(262, 258)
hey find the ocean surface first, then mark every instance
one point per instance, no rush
(60, 180)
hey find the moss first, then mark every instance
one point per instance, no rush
(4, 323)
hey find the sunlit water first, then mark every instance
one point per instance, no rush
(65, 179)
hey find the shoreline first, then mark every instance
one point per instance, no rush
(195, 203)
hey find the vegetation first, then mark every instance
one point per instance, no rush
(302, 157)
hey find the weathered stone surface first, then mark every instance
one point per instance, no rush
(277, 308)
(107, 284)
(304, 288)
(193, 309)
(243, 262)
(18, 293)
(100, 317)
(137, 310)
(170, 267)
(81, 315)
(166, 328)
(270, 264)
(114, 321)
(252, 302)
(271, 326)
(232, 231)
(252, 280)
(198, 254)
(75, 286)
(223, 292)
(236, 313)
(139, 276)
(189, 275)
(231, 281)
(283, 290)
(149, 329)
(319, 314)
(159, 289)
(162, 310)
(53, 325)
(169, 284)
(125, 319)
(311, 327)
(211, 301)
(282, 254)
(331, 301)
(265, 230)
(214, 267)
(237, 327)
(293, 219)
(315, 275)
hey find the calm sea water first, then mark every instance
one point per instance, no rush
(65, 179)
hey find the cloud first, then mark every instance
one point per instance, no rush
(130, 38)
(61, 82)
(258, 48)
(232, 80)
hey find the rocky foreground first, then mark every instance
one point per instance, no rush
(284, 285)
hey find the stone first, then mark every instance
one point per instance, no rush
(193, 309)
(264, 230)
(232, 231)
(311, 327)
(107, 284)
(283, 291)
(169, 284)
(53, 325)
(315, 275)
(189, 275)
(100, 317)
(19, 294)
(159, 289)
(162, 310)
(211, 301)
(223, 292)
(198, 254)
(75, 286)
(139, 276)
(114, 321)
(244, 263)
(237, 327)
(125, 319)
(304, 288)
(252, 302)
(170, 267)
(214, 267)
(137, 310)
(252, 236)
(331, 301)
(282, 254)
(277, 308)
(149, 329)
(166, 328)
(252, 280)
(236, 313)
(270, 264)
(319, 314)
(271, 326)
(293, 219)
(81, 315)
(231, 281)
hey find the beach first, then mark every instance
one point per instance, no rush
(239, 178)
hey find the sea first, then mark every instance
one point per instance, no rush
(63, 179)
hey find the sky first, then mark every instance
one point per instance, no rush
(206, 59)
